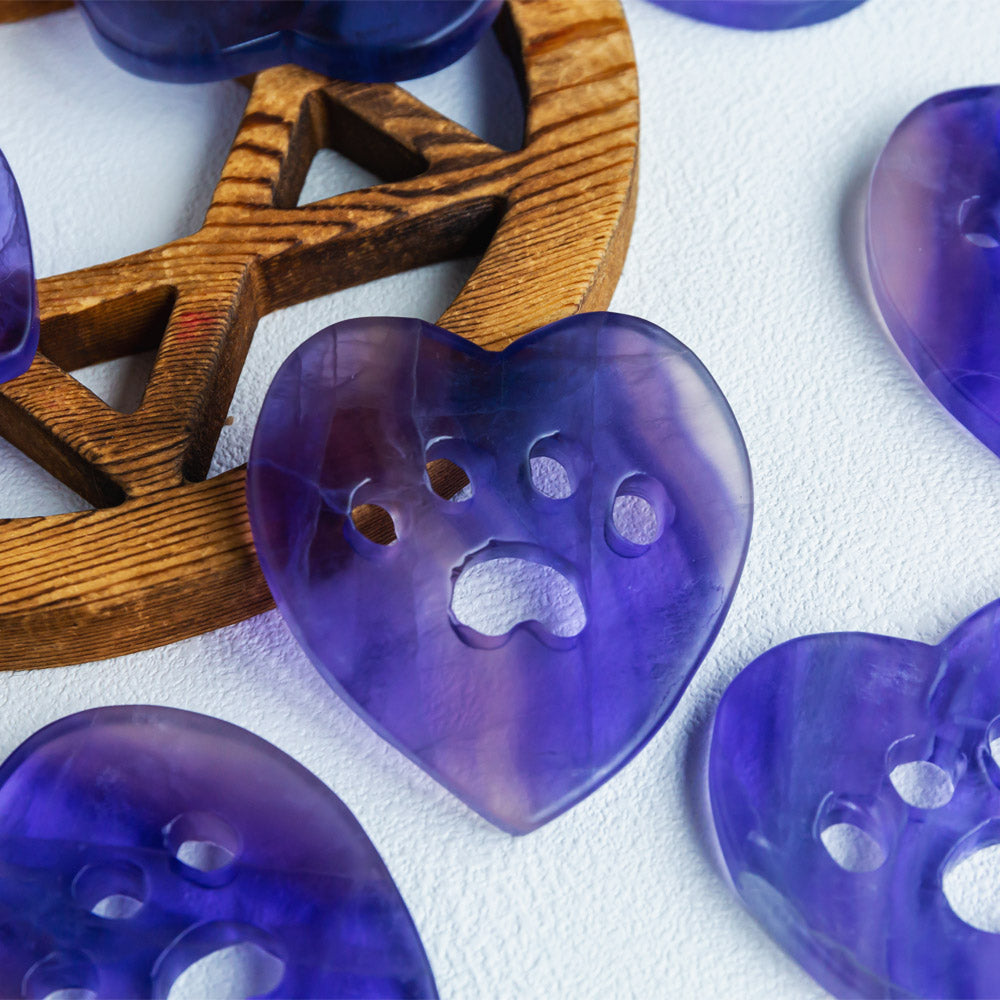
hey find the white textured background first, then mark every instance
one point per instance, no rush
(875, 510)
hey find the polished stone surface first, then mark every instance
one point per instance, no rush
(135, 841)
(524, 714)
(850, 776)
(189, 41)
(18, 298)
(933, 237)
(761, 15)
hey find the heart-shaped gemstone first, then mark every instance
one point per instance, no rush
(18, 297)
(190, 41)
(934, 250)
(605, 473)
(761, 15)
(852, 778)
(136, 841)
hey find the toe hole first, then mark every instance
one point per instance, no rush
(203, 845)
(851, 835)
(449, 480)
(375, 523)
(555, 467)
(61, 976)
(550, 478)
(112, 891)
(640, 512)
(922, 784)
(852, 848)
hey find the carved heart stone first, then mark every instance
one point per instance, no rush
(850, 776)
(18, 297)
(190, 41)
(933, 237)
(761, 15)
(524, 719)
(135, 841)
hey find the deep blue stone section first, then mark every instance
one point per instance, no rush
(193, 41)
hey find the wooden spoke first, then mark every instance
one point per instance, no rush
(168, 555)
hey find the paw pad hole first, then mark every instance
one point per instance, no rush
(971, 878)
(236, 972)
(375, 523)
(112, 891)
(449, 480)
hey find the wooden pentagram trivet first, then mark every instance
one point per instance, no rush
(168, 554)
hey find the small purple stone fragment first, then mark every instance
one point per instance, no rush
(18, 296)
(192, 41)
(933, 237)
(849, 775)
(525, 720)
(761, 15)
(135, 841)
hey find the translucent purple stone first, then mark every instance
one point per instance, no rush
(523, 721)
(135, 841)
(190, 41)
(18, 297)
(761, 15)
(934, 250)
(850, 775)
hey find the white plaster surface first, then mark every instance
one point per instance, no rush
(875, 510)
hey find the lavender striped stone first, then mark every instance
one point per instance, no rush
(18, 297)
(136, 841)
(526, 715)
(933, 236)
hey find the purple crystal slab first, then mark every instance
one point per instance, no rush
(849, 775)
(18, 297)
(524, 720)
(135, 841)
(933, 236)
(190, 41)
(761, 15)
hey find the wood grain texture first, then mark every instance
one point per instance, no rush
(167, 554)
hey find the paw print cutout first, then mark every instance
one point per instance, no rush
(552, 446)
(18, 298)
(191, 41)
(132, 846)
(854, 787)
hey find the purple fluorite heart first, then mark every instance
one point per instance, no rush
(135, 841)
(18, 298)
(525, 718)
(761, 15)
(851, 776)
(934, 250)
(190, 41)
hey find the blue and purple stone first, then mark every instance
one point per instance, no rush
(135, 841)
(933, 235)
(761, 15)
(18, 296)
(192, 41)
(851, 777)
(524, 719)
